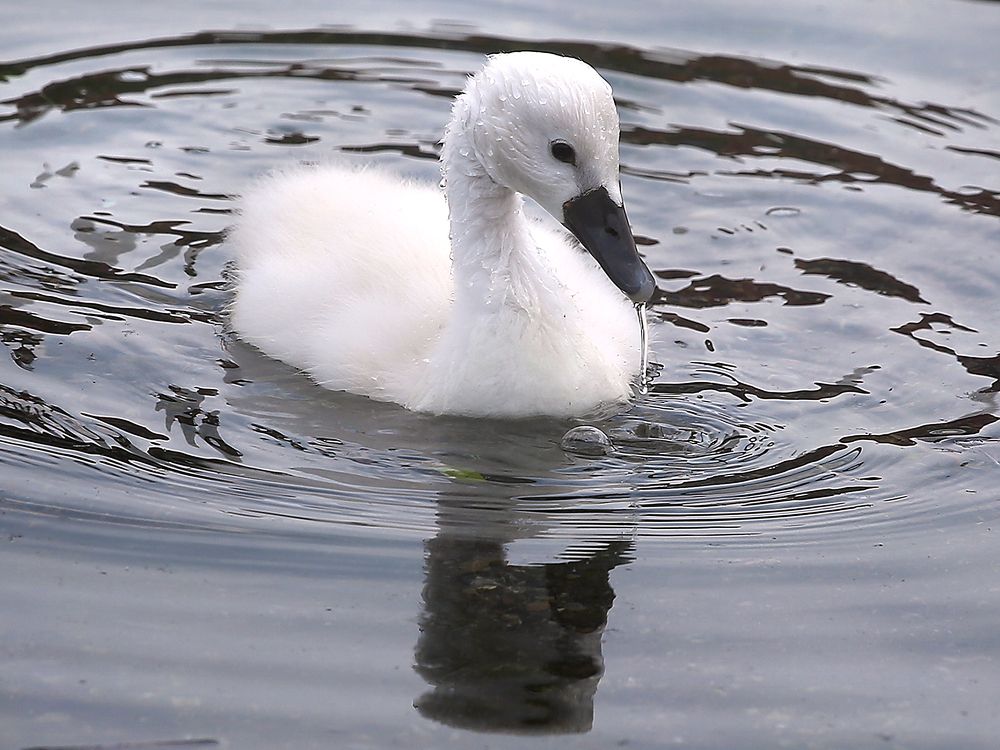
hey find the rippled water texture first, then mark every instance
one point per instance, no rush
(794, 542)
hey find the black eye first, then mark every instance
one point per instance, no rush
(563, 152)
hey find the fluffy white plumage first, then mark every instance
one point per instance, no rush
(349, 274)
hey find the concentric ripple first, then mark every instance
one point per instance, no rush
(806, 389)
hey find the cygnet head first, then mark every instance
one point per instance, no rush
(546, 126)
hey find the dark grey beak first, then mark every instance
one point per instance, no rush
(602, 227)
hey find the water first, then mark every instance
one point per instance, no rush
(794, 542)
(644, 375)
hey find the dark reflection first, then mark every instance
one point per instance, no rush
(128, 87)
(111, 312)
(672, 65)
(417, 150)
(291, 139)
(861, 275)
(12, 316)
(679, 320)
(985, 366)
(717, 291)
(970, 425)
(192, 241)
(185, 237)
(15, 243)
(505, 647)
(106, 246)
(746, 392)
(183, 407)
(850, 167)
(172, 187)
(28, 419)
(22, 346)
(927, 322)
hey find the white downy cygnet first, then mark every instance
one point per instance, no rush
(456, 302)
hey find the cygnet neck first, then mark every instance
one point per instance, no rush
(494, 259)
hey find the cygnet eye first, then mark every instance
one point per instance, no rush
(563, 152)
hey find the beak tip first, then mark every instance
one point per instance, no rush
(645, 290)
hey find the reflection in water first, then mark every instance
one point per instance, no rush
(505, 647)
(126, 87)
(850, 166)
(861, 275)
(716, 291)
(986, 366)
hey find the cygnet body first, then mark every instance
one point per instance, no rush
(349, 274)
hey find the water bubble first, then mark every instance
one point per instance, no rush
(587, 441)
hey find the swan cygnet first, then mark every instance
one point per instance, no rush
(456, 302)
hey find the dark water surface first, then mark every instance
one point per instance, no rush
(797, 542)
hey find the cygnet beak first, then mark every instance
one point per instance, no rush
(602, 228)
